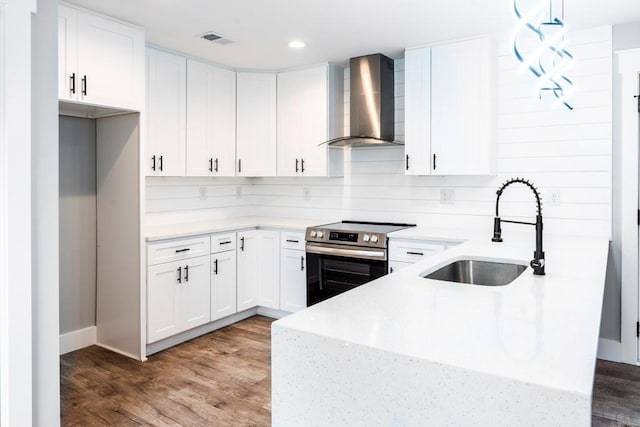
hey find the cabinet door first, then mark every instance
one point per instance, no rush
(247, 274)
(293, 280)
(110, 62)
(164, 283)
(303, 121)
(461, 108)
(195, 293)
(269, 269)
(398, 265)
(223, 284)
(67, 53)
(417, 145)
(256, 124)
(211, 120)
(166, 113)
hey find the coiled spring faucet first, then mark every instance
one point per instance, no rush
(537, 263)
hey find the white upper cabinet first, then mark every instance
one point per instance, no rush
(309, 113)
(417, 98)
(256, 124)
(449, 110)
(211, 120)
(166, 113)
(462, 108)
(101, 61)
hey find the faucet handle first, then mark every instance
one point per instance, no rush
(497, 230)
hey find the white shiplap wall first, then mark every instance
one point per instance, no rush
(561, 151)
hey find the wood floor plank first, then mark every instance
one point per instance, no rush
(224, 379)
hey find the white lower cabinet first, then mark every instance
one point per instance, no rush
(223, 284)
(269, 269)
(397, 265)
(258, 269)
(293, 280)
(247, 276)
(178, 297)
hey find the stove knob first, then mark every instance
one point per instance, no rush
(320, 234)
(365, 238)
(313, 233)
(374, 238)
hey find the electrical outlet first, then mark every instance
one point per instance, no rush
(447, 196)
(552, 198)
(203, 193)
(306, 193)
(238, 192)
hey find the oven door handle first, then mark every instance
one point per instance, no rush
(347, 253)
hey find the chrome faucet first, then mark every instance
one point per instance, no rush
(537, 263)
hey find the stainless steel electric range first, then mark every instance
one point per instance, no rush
(344, 255)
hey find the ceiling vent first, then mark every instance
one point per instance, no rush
(213, 37)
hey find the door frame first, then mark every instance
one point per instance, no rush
(628, 67)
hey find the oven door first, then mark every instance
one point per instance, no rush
(334, 269)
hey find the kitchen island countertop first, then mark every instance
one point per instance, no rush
(411, 347)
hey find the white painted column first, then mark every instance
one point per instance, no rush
(15, 213)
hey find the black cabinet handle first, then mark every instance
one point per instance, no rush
(160, 163)
(225, 243)
(242, 243)
(415, 253)
(302, 165)
(293, 241)
(216, 167)
(182, 250)
(407, 161)
(239, 165)
(153, 164)
(73, 82)
(297, 165)
(211, 164)
(179, 274)
(186, 273)
(84, 85)
(434, 162)
(215, 267)
(301, 263)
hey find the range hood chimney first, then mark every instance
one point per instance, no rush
(371, 103)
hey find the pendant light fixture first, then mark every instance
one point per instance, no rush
(539, 44)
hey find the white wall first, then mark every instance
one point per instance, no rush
(567, 152)
(77, 220)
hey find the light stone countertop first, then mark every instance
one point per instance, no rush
(540, 330)
(173, 231)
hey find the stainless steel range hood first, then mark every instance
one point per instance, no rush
(371, 103)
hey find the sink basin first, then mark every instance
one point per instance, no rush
(475, 272)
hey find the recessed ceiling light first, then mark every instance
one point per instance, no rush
(296, 44)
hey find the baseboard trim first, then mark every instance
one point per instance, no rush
(75, 340)
(273, 313)
(610, 350)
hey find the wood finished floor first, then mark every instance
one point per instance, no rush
(224, 379)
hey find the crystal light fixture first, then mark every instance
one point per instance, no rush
(539, 44)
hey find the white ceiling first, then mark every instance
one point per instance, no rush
(334, 30)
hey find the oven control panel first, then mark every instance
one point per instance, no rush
(320, 235)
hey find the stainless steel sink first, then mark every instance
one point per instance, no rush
(475, 272)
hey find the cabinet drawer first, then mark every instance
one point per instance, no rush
(292, 240)
(223, 242)
(177, 249)
(413, 251)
